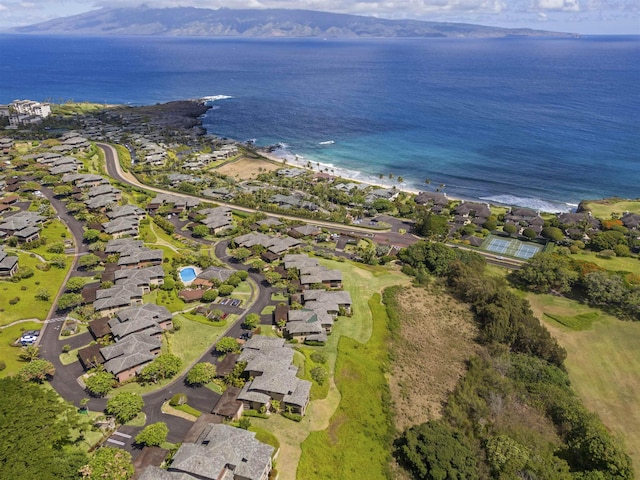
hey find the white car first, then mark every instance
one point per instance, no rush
(28, 339)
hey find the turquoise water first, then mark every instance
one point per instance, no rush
(534, 122)
(187, 274)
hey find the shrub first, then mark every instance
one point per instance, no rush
(296, 417)
(319, 375)
(178, 399)
(225, 290)
(14, 300)
(66, 348)
(254, 413)
(3, 365)
(319, 357)
(210, 295)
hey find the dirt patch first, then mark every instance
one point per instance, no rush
(247, 168)
(436, 337)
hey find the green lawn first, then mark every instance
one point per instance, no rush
(28, 307)
(192, 340)
(616, 264)
(604, 209)
(54, 231)
(189, 343)
(8, 353)
(603, 363)
(168, 299)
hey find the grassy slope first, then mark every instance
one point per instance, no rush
(362, 282)
(604, 209)
(28, 307)
(356, 444)
(603, 364)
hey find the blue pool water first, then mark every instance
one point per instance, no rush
(187, 274)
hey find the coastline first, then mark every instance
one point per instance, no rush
(298, 161)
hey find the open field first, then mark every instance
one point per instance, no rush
(25, 290)
(616, 264)
(435, 338)
(603, 364)
(247, 168)
(604, 208)
(8, 353)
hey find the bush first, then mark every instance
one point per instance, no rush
(3, 365)
(225, 290)
(66, 348)
(254, 413)
(14, 300)
(210, 295)
(318, 357)
(296, 417)
(178, 399)
(319, 375)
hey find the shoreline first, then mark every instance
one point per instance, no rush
(303, 163)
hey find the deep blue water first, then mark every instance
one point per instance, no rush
(522, 121)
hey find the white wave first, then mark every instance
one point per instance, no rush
(529, 202)
(328, 142)
(215, 98)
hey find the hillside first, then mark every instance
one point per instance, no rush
(183, 21)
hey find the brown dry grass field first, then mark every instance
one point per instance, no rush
(247, 168)
(436, 338)
(603, 363)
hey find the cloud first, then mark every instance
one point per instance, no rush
(562, 5)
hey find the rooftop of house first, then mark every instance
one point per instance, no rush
(218, 449)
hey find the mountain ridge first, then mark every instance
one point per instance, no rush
(261, 23)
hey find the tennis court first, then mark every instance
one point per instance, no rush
(510, 247)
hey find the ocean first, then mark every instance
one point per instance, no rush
(537, 122)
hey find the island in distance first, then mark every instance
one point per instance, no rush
(189, 21)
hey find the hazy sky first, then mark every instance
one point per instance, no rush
(579, 16)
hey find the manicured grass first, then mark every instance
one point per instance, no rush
(268, 310)
(605, 208)
(8, 353)
(279, 297)
(357, 443)
(70, 357)
(28, 307)
(265, 437)
(192, 340)
(54, 231)
(168, 299)
(138, 421)
(202, 319)
(616, 264)
(188, 409)
(603, 364)
(578, 323)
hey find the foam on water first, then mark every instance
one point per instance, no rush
(533, 203)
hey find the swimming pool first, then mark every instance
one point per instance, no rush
(187, 274)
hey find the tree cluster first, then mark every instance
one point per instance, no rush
(518, 381)
(550, 272)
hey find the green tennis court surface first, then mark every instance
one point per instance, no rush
(510, 247)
